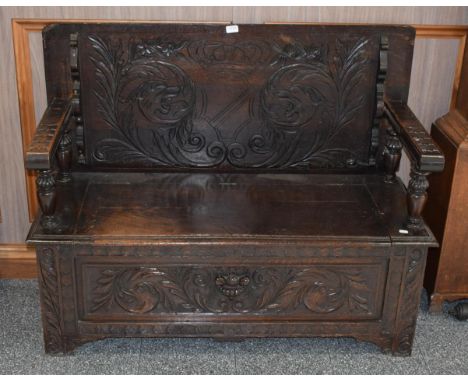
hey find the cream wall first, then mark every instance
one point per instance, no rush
(433, 70)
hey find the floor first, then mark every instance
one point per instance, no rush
(440, 348)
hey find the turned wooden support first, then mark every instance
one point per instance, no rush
(64, 158)
(392, 155)
(417, 197)
(76, 94)
(47, 196)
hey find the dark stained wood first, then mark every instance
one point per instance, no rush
(422, 149)
(231, 185)
(252, 205)
(392, 154)
(46, 139)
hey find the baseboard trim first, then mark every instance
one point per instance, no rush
(17, 261)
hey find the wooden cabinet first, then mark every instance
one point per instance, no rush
(447, 214)
(446, 277)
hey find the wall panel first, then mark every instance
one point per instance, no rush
(252, 15)
(429, 94)
(394, 15)
(431, 83)
(39, 85)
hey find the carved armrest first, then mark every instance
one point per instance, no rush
(51, 139)
(48, 135)
(424, 154)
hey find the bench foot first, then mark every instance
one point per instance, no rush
(62, 345)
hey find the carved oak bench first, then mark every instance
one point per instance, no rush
(198, 183)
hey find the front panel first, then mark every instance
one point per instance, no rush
(228, 285)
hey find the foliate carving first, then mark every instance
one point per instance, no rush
(298, 52)
(67, 291)
(76, 102)
(232, 290)
(48, 279)
(416, 197)
(165, 104)
(324, 291)
(164, 97)
(161, 47)
(410, 301)
(250, 54)
(138, 290)
(159, 118)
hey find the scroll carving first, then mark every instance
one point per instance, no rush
(233, 290)
(158, 115)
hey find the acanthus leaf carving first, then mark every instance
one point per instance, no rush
(231, 290)
(48, 279)
(159, 115)
(412, 291)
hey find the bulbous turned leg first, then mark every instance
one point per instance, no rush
(416, 198)
(64, 158)
(392, 155)
(47, 196)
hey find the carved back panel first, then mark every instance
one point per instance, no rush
(277, 97)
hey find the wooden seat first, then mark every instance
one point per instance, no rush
(151, 206)
(199, 183)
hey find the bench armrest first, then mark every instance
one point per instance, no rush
(424, 154)
(40, 153)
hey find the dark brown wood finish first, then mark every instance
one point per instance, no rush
(230, 185)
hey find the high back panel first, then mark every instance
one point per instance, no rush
(285, 97)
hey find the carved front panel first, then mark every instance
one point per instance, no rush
(310, 291)
(192, 96)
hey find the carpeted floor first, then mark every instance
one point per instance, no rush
(440, 348)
